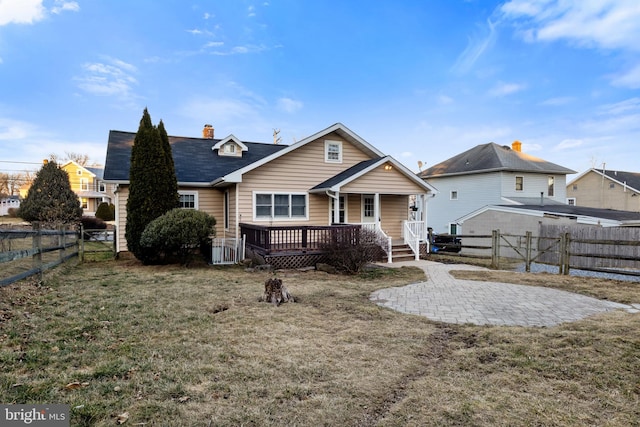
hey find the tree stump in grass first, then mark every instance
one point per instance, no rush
(275, 292)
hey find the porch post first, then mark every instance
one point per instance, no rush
(376, 209)
(425, 233)
(336, 208)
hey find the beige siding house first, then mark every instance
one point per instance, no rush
(273, 194)
(606, 189)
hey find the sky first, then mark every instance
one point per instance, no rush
(420, 80)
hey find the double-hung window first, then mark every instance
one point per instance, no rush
(333, 151)
(280, 206)
(188, 200)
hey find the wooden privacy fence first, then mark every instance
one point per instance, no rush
(26, 252)
(609, 250)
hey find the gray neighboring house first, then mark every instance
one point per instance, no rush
(490, 174)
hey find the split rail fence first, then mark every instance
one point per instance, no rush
(26, 252)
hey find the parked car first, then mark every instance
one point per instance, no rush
(445, 243)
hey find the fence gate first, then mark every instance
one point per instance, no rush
(550, 250)
(97, 242)
(227, 250)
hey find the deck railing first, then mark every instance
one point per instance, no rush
(303, 238)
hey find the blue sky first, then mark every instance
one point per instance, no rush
(421, 80)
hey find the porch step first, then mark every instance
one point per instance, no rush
(401, 253)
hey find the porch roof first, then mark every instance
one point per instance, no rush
(360, 169)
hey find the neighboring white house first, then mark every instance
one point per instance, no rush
(490, 174)
(7, 203)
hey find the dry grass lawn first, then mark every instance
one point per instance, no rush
(169, 346)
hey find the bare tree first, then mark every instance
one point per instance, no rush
(79, 158)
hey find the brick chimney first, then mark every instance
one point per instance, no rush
(516, 146)
(207, 132)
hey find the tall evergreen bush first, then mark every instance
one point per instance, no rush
(50, 199)
(153, 187)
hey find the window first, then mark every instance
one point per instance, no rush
(369, 206)
(575, 187)
(550, 190)
(612, 185)
(519, 183)
(84, 203)
(280, 206)
(79, 172)
(453, 229)
(84, 184)
(102, 187)
(188, 200)
(571, 201)
(333, 151)
(454, 195)
(230, 148)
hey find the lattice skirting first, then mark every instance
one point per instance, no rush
(286, 261)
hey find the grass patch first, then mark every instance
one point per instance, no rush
(183, 347)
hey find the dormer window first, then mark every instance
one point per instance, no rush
(230, 146)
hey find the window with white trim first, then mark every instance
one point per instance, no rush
(571, 201)
(333, 151)
(551, 182)
(519, 183)
(188, 199)
(454, 195)
(280, 206)
(84, 184)
(102, 187)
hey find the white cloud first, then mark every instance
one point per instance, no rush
(214, 44)
(609, 24)
(503, 89)
(629, 79)
(476, 47)
(61, 6)
(289, 105)
(625, 106)
(103, 79)
(13, 129)
(567, 144)
(557, 101)
(21, 11)
(445, 100)
(251, 11)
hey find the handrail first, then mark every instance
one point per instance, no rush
(412, 239)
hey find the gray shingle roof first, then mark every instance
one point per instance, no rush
(492, 157)
(346, 174)
(632, 179)
(195, 161)
(582, 211)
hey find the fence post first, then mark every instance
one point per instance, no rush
(495, 249)
(567, 253)
(36, 243)
(81, 243)
(62, 241)
(527, 261)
